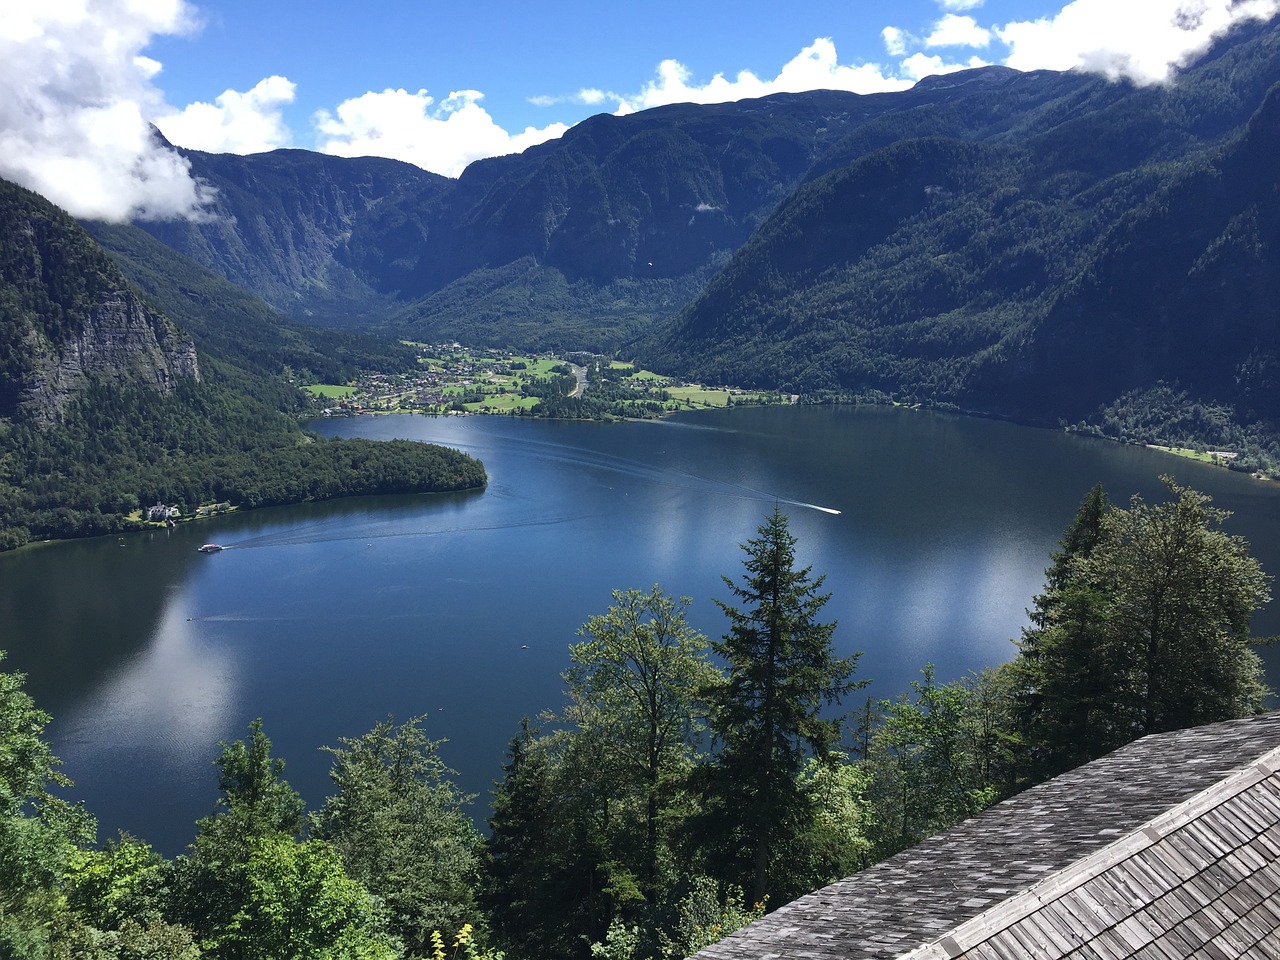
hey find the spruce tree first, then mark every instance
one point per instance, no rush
(768, 714)
(1060, 671)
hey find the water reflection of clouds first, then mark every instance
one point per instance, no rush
(947, 604)
(177, 697)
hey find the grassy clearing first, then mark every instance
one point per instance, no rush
(696, 396)
(331, 391)
(1203, 456)
(504, 403)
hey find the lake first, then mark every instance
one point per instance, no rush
(324, 618)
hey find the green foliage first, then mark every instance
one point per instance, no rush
(397, 823)
(119, 448)
(543, 884)
(1167, 416)
(633, 690)
(704, 917)
(934, 757)
(1061, 675)
(837, 842)
(126, 880)
(1143, 627)
(298, 901)
(1181, 592)
(768, 713)
(464, 946)
(254, 796)
(39, 833)
(213, 882)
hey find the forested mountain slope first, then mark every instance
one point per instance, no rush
(585, 241)
(1045, 246)
(279, 221)
(67, 318)
(107, 406)
(1120, 240)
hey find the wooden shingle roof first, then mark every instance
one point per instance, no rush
(1166, 848)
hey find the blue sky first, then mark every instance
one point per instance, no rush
(442, 85)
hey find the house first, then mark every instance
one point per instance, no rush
(162, 512)
(1167, 848)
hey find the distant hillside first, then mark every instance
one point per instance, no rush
(1044, 246)
(106, 405)
(68, 319)
(1115, 246)
(281, 221)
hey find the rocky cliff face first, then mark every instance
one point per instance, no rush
(68, 317)
(122, 341)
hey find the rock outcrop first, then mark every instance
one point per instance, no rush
(122, 341)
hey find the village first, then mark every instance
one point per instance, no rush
(452, 380)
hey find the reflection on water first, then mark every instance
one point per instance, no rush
(933, 532)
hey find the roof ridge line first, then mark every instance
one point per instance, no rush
(1006, 913)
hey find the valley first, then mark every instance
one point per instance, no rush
(453, 379)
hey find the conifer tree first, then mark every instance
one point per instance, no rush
(767, 716)
(1060, 671)
(1143, 628)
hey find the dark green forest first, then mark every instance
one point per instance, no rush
(1052, 248)
(684, 787)
(108, 406)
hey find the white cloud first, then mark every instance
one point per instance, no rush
(956, 31)
(1143, 40)
(411, 127)
(76, 95)
(896, 41)
(960, 4)
(816, 67)
(920, 65)
(249, 122)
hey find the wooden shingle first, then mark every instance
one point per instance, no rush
(1165, 849)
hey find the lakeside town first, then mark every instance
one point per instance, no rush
(453, 379)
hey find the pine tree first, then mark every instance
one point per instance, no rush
(1060, 671)
(767, 716)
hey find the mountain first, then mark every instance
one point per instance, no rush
(1117, 242)
(583, 242)
(280, 220)
(1052, 247)
(67, 318)
(107, 405)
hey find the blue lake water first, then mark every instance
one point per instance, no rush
(324, 618)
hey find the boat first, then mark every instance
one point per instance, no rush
(210, 547)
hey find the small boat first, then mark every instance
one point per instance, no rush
(210, 547)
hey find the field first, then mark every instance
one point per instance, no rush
(453, 380)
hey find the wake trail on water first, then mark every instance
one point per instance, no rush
(579, 457)
(640, 470)
(292, 538)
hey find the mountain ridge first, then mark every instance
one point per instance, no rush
(935, 245)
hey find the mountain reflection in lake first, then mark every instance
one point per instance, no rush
(933, 532)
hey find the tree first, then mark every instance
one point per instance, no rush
(935, 756)
(255, 797)
(1180, 595)
(397, 823)
(39, 833)
(299, 902)
(212, 883)
(1143, 627)
(767, 715)
(633, 691)
(1060, 672)
(543, 884)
